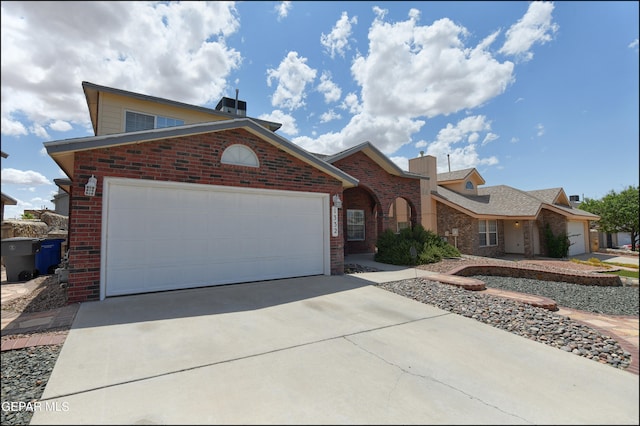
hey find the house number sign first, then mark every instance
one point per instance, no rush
(334, 221)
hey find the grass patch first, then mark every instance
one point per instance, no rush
(624, 273)
(624, 265)
(607, 265)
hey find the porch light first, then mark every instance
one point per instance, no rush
(337, 202)
(517, 223)
(90, 187)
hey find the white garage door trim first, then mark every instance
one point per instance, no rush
(210, 211)
(575, 230)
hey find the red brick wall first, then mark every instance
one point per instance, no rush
(191, 159)
(385, 189)
(359, 199)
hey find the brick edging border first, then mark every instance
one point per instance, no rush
(515, 272)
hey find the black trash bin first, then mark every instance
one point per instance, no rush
(20, 258)
(49, 256)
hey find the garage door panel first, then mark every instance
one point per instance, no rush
(209, 235)
(575, 230)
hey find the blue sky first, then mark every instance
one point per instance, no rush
(534, 95)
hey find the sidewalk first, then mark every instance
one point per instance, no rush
(33, 329)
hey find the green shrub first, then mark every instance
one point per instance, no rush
(557, 245)
(396, 249)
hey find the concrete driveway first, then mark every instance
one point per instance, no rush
(316, 350)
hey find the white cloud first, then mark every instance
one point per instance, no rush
(327, 87)
(337, 41)
(329, 116)
(386, 133)
(148, 44)
(426, 70)
(490, 137)
(39, 131)
(23, 177)
(402, 162)
(539, 129)
(292, 75)
(351, 103)
(283, 9)
(467, 131)
(634, 45)
(288, 122)
(536, 26)
(60, 126)
(412, 72)
(12, 127)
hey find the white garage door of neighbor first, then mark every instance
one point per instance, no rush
(168, 235)
(575, 231)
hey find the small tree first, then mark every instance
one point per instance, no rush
(619, 212)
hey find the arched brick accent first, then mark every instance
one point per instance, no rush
(383, 188)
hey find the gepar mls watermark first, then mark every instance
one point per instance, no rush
(34, 406)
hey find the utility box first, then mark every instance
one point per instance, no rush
(49, 256)
(20, 258)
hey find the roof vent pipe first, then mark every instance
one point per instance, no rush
(449, 161)
(237, 101)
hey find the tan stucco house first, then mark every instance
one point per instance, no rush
(168, 196)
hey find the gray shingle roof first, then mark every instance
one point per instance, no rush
(546, 195)
(503, 200)
(454, 175)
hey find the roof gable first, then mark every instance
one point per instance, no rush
(92, 93)
(458, 176)
(63, 151)
(374, 154)
(552, 196)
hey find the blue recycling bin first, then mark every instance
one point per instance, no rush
(49, 256)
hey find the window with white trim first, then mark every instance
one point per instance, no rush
(488, 232)
(135, 122)
(240, 155)
(469, 185)
(355, 225)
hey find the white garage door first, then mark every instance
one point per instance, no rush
(575, 230)
(165, 235)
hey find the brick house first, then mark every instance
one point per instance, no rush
(496, 220)
(168, 196)
(186, 196)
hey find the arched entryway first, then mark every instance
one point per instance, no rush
(362, 220)
(365, 218)
(401, 215)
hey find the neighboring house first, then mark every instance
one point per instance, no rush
(168, 195)
(615, 240)
(6, 200)
(61, 199)
(496, 220)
